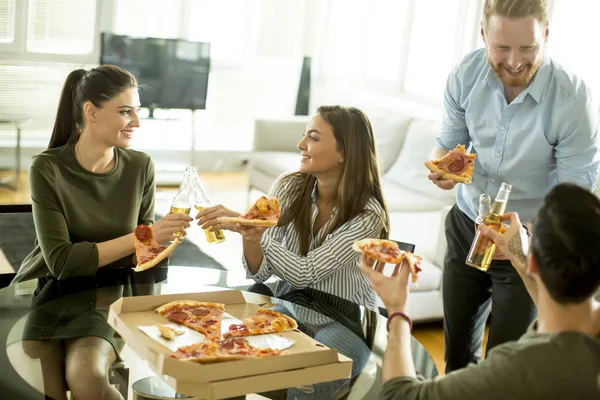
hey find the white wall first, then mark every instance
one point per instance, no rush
(261, 82)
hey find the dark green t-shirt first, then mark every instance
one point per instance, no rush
(564, 365)
(73, 209)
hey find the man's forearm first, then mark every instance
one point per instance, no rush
(398, 360)
(519, 261)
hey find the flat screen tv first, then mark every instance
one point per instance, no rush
(172, 73)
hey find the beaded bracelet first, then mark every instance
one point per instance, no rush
(398, 313)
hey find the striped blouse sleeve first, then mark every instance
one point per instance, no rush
(278, 190)
(335, 253)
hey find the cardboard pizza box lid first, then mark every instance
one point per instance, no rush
(127, 313)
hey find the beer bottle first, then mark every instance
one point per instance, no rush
(483, 248)
(201, 202)
(181, 202)
(485, 206)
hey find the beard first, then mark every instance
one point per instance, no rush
(529, 72)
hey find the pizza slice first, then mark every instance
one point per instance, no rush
(147, 251)
(228, 349)
(388, 251)
(264, 212)
(263, 322)
(457, 165)
(203, 317)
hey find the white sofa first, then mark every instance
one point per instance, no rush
(417, 207)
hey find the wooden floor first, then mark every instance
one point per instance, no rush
(431, 335)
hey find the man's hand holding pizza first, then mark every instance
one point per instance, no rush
(436, 178)
(392, 290)
(455, 166)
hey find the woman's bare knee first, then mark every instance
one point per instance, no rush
(87, 364)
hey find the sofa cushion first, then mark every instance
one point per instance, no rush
(409, 170)
(400, 198)
(419, 228)
(389, 135)
(275, 163)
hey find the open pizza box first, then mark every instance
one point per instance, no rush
(305, 362)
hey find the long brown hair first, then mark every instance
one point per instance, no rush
(359, 179)
(98, 85)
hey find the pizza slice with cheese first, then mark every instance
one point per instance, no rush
(203, 317)
(388, 251)
(264, 321)
(264, 212)
(147, 251)
(457, 165)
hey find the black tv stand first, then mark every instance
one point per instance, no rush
(151, 115)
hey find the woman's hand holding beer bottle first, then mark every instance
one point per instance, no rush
(208, 217)
(208, 220)
(171, 226)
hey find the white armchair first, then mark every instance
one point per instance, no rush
(274, 150)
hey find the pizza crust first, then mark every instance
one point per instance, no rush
(289, 323)
(181, 303)
(248, 222)
(159, 257)
(449, 176)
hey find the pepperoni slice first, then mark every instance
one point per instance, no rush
(178, 315)
(457, 165)
(389, 251)
(201, 312)
(227, 344)
(236, 327)
(143, 233)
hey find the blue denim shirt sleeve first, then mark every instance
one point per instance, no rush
(454, 125)
(577, 151)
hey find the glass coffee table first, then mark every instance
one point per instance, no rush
(63, 309)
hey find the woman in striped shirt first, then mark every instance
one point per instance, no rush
(333, 200)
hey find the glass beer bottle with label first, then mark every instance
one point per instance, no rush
(201, 202)
(182, 203)
(483, 248)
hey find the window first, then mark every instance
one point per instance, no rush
(148, 18)
(61, 26)
(573, 42)
(7, 21)
(386, 37)
(345, 37)
(221, 23)
(432, 48)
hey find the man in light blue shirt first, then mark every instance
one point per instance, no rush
(532, 125)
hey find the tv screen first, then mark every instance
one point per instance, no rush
(172, 73)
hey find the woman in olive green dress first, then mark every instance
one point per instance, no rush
(89, 192)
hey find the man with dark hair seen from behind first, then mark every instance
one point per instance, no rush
(532, 125)
(559, 358)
